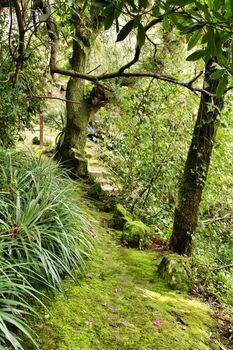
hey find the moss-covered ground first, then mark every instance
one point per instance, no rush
(121, 304)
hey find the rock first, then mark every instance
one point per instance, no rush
(176, 271)
(136, 234)
(120, 217)
(35, 140)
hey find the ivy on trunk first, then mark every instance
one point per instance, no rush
(196, 166)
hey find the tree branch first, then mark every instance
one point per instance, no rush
(223, 267)
(213, 220)
(54, 98)
(137, 49)
(97, 79)
(75, 74)
(20, 57)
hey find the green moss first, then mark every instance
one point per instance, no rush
(176, 271)
(115, 304)
(120, 217)
(136, 234)
(95, 191)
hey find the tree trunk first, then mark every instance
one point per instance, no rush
(196, 168)
(71, 146)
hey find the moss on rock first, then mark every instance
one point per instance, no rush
(136, 234)
(175, 270)
(120, 217)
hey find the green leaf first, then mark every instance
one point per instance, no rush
(100, 3)
(196, 55)
(194, 39)
(211, 45)
(117, 26)
(165, 23)
(141, 35)
(218, 16)
(180, 2)
(124, 32)
(118, 9)
(156, 11)
(216, 5)
(142, 4)
(193, 27)
(206, 37)
(217, 74)
(109, 18)
(221, 86)
(179, 20)
(228, 8)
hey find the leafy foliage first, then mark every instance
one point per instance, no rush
(15, 297)
(149, 150)
(43, 234)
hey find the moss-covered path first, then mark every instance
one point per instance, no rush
(121, 304)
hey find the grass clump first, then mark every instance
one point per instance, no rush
(43, 233)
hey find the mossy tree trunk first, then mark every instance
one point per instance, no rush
(71, 146)
(196, 168)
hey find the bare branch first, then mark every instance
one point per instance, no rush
(195, 78)
(213, 220)
(132, 62)
(223, 267)
(97, 79)
(75, 74)
(92, 70)
(54, 98)
(137, 49)
(20, 57)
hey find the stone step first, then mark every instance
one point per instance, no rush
(107, 188)
(95, 173)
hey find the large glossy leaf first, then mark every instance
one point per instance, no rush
(141, 35)
(109, 17)
(193, 27)
(196, 55)
(194, 39)
(100, 3)
(124, 32)
(222, 86)
(217, 74)
(143, 3)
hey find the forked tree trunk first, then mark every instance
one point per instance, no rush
(71, 146)
(196, 168)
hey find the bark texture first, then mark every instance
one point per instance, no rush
(71, 147)
(196, 168)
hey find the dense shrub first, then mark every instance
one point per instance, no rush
(43, 233)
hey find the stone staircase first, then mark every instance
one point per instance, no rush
(97, 170)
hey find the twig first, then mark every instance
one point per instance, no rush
(55, 98)
(92, 70)
(195, 78)
(212, 220)
(75, 74)
(224, 267)
(21, 44)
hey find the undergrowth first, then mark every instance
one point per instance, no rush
(43, 236)
(123, 304)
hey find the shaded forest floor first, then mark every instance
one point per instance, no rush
(121, 303)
